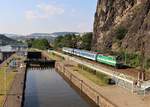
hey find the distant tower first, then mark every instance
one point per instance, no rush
(142, 70)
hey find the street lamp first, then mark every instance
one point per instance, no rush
(142, 59)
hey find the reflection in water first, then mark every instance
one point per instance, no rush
(46, 88)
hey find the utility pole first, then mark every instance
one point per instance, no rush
(125, 56)
(142, 70)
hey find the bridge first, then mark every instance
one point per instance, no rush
(40, 62)
(37, 59)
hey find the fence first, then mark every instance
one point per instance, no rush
(88, 90)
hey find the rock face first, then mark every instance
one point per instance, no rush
(131, 15)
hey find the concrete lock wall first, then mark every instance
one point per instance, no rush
(84, 87)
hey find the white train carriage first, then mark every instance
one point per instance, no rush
(76, 52)
(81, 53)
(88, 55)
(68, 50)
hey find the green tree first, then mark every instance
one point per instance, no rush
(40, 44)
(86, 41)
(29, 42)
(58, 42)
(69, 40)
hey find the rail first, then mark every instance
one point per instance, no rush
(122, 80)
(102, 69)
(7, 92)
(84, 87)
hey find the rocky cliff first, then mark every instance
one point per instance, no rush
(122, 25)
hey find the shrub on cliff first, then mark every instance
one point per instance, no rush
(120, 33)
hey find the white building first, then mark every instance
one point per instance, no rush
(13, 48)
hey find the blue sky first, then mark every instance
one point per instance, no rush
(30, 16)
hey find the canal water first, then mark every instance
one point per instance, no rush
(46, 88)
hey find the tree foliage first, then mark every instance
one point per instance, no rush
(86, 41)
(74, 41)
(38, 43)
(69, 40)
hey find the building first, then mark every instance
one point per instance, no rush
(13, 48)
(8, 50)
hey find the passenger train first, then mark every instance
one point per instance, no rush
(102, 58)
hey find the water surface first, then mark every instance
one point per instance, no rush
(46, 88)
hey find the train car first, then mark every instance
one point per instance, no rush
(81, 53)
(109, 60)
(68, 50)
(77, 52)
(102, 58)
(85, 54)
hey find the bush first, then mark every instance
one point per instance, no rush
(131, 59)
(120, 33)
(134, 60)
(103, 77)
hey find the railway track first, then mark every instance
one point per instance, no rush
(131, 72)
(101, 69)
(126, 78)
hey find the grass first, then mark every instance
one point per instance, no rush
(5, 83)
(55, 57)
(92, 77)
(96, 77)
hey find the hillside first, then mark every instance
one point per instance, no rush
(6, 41)
(122, 25)
(49, 36)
